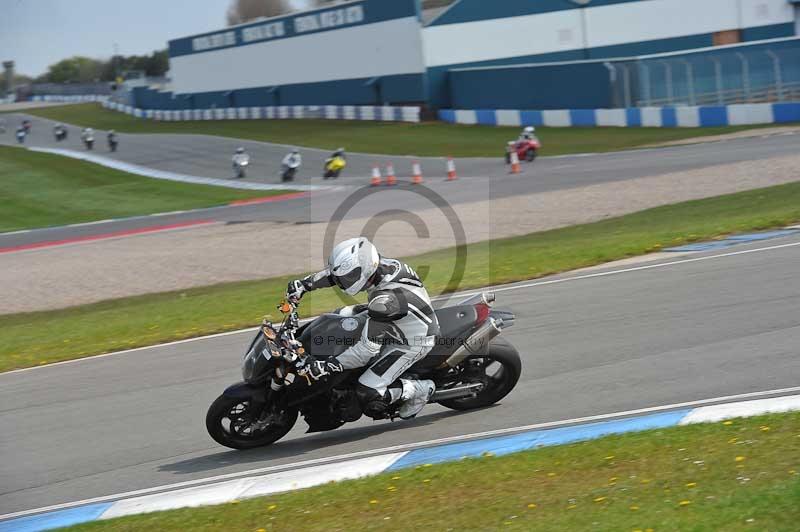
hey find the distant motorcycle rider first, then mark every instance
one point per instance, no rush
(400, 329)
(529, 133)
(338, 153)
(112, 140)
(293, 159)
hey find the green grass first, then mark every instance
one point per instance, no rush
(426, 139)
(38, 338)
(743, 475)
(40, 190)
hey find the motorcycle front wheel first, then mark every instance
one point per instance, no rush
(230, 423)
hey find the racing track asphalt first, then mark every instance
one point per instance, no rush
(479, 179)
(645, 336)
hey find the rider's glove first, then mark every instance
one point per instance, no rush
(323, 368)
(295, 290)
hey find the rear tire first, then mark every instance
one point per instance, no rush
(223, 409)
(502, 352)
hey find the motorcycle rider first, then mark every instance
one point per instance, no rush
(239, 159)
(400, 330)
(87, 136)
(529, 133)
(338, 153)
(293, 159)
(59, 132)
(112, 140)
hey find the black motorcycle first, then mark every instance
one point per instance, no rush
(471, 365)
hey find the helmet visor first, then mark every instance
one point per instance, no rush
(348, 279)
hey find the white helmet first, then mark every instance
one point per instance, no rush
(352, 263)
(530, 129)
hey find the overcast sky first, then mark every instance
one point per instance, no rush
(37, 33)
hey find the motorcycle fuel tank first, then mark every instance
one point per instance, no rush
(330, 334)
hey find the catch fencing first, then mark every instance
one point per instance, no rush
(755, 73)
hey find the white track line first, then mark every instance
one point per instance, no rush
(406, 447)
(633, 269)
(500, 288)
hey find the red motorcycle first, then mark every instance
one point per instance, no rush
(527, 149)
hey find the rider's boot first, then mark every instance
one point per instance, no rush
(415, 395)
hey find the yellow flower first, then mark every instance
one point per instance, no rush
(391, 488)
(551, 474)
(272, 507)
(532, 506)
(685, 503)
(611, 457)
(395, 478)
(261, 530)
(613, 479)
(427, 465)
(733, 440)
(646, 481)
(634, 508)
(599, 499)
(764, 428)
(740, 458)
(727, 422)
(374, 501)
(426, 480)
(572, 506)
(691, 484)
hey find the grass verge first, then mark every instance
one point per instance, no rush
(41, 189)
(426, 139)
(735, 475)
(38, 338)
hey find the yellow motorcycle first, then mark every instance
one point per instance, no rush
(334, 166)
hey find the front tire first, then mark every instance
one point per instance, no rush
(499, 384)
(228, 423)
(530, 155)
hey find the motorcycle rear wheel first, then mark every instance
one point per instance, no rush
(234, 433)
(503, 359)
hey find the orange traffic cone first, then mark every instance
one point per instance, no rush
(515, 167)
(451, 169)
(416, 173)
(376, 176)
(391, 178)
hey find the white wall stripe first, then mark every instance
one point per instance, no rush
(611, 117)
(557, 118)
(508, 118)
(688, 116)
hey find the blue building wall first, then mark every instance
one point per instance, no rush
(584, 85)
(585, 32)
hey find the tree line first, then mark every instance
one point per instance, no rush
(80, 69)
